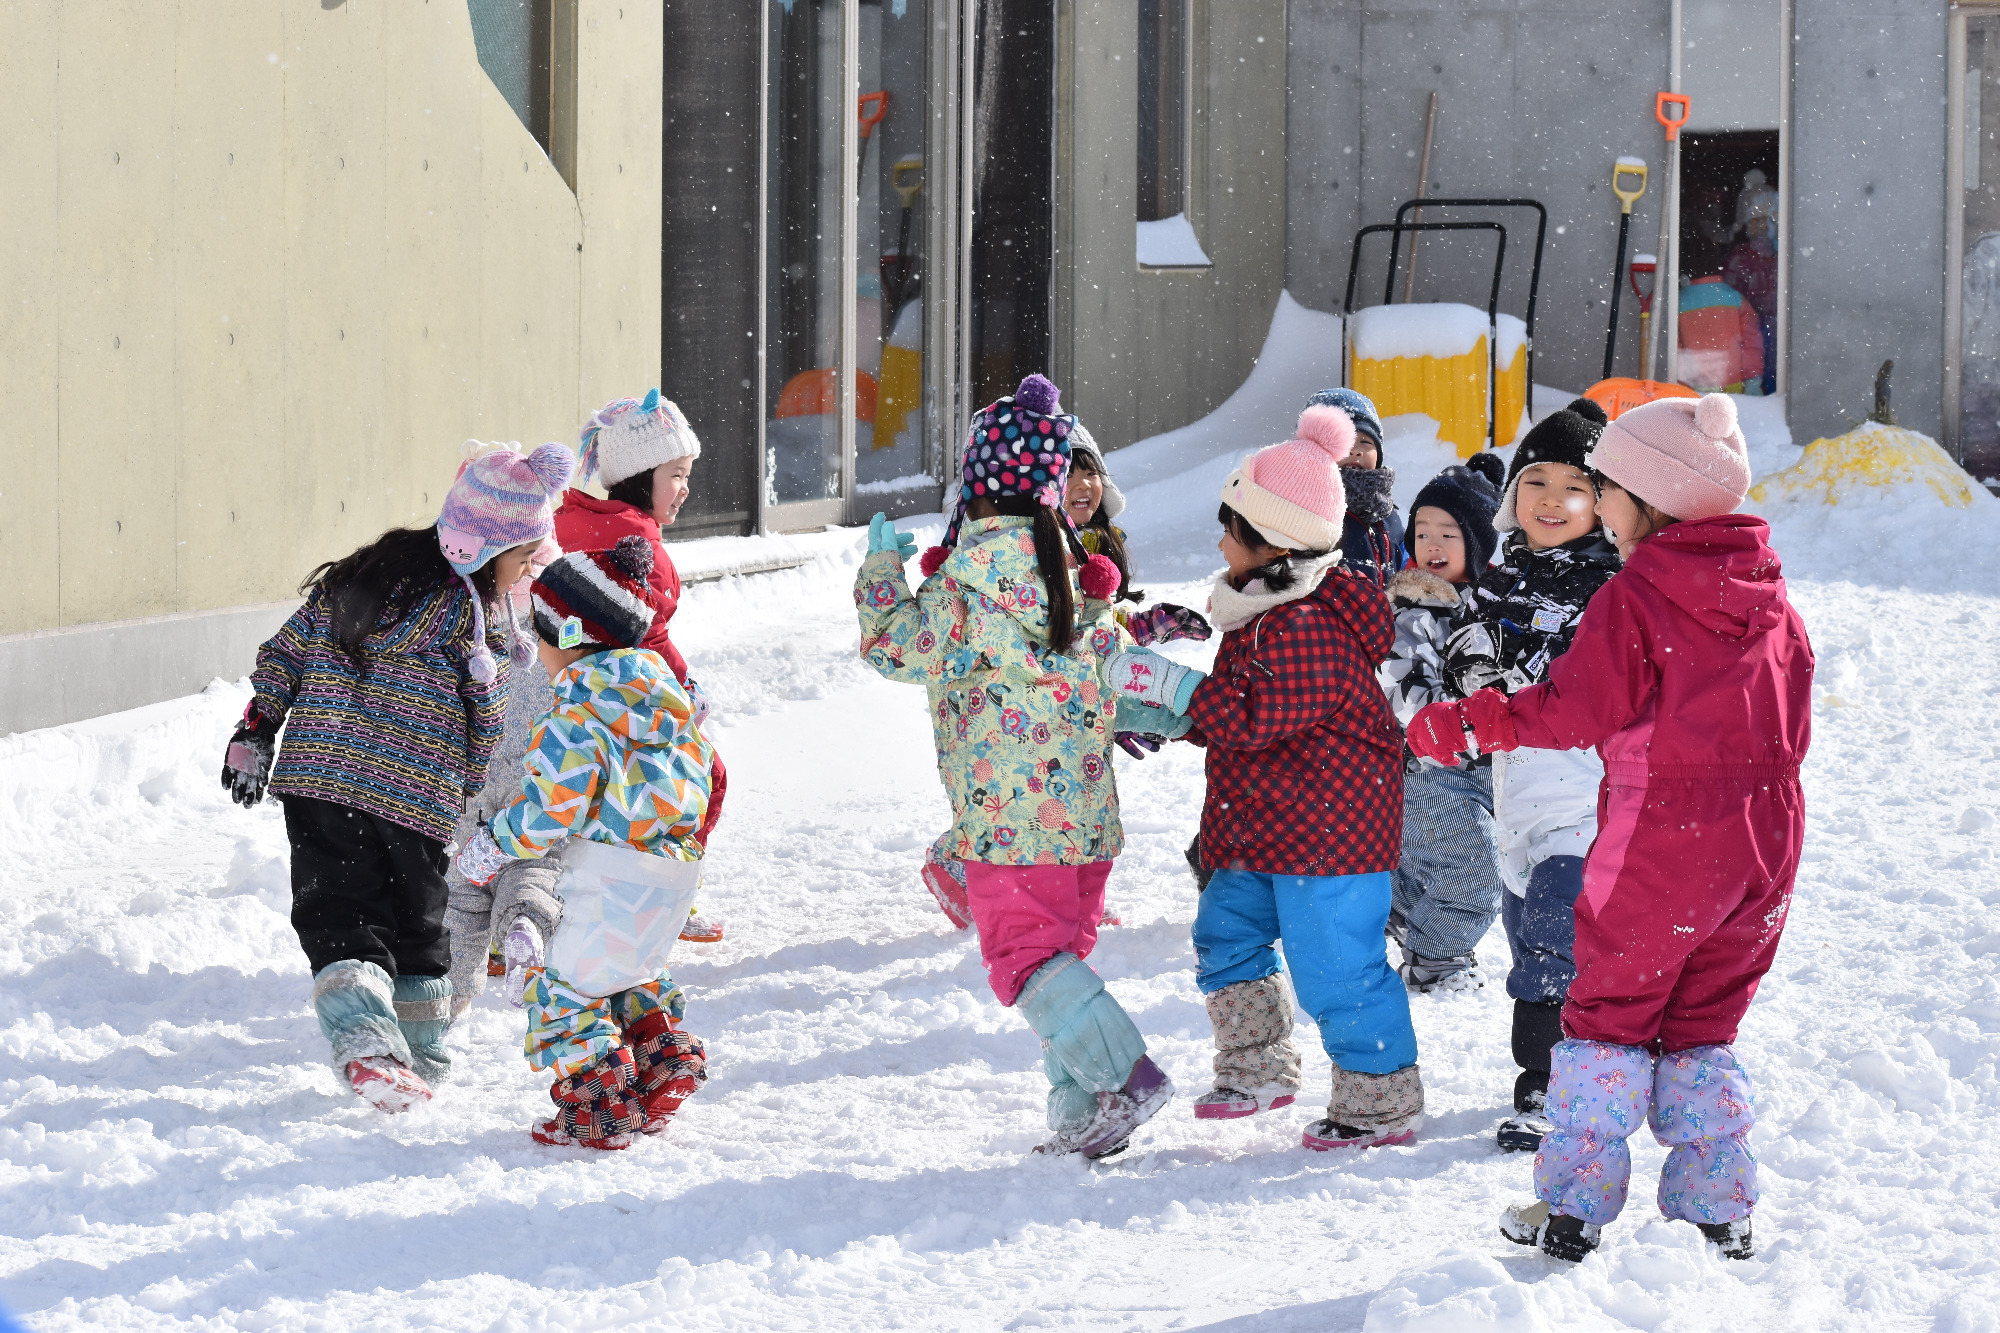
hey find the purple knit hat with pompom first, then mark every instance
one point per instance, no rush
(500, 499)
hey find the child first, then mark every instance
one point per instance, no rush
(1447, 885)
(1692, 675)
(1022, 714)
(1371, 539)
(1519, 619)
(391, 700)
(525, 887)
(1304, 806)
(617, 786)
(644, 452)
(1721, 337)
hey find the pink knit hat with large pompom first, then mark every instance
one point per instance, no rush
(1291, 492)
(1683, 456)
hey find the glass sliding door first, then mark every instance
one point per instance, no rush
(853, 203)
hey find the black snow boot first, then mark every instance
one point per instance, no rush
(1733, 1238)
(1523, 1131)
(1537, 1029)
(1558, 1236)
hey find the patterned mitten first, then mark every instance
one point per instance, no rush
(246, 765)
(521, 951)
(1142, 674)
(1165, 622)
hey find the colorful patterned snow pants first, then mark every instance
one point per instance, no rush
(569, 1032)
(1698, 1103)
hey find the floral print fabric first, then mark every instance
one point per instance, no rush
(1023, 733)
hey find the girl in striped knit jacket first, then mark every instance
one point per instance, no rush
(391, 697)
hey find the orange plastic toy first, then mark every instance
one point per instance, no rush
(1619, 396)
(816, 393)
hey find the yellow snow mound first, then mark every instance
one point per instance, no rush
(1870, 455)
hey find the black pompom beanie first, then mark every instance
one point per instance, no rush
(1470, 493)
(1565, 437)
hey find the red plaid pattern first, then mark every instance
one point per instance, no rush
(1305, 761)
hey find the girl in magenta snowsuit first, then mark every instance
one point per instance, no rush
(1692, 676)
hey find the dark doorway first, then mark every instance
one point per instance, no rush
(1013, 208)
(1729, 232)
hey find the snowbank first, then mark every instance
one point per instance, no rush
(1171, 243)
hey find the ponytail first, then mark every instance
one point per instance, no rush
(1052, 557)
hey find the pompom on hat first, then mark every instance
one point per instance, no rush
(1683, 456)
(595, 599)
(1292, 492)
(628, 436)
(500, 499)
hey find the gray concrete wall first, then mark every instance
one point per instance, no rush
(1142, 352)
(1535, 98)
(65, 675)
(1867, 241)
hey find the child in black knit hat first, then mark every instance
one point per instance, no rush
(1447, 885)
(1518, 619)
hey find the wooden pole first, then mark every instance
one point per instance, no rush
(1423, 189)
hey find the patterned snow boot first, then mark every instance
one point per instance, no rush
(496, 966)
(1701, 1110)
(1599, 1095)
(1108, 1131)
(1524, 1130)
(1256, 1064)
(1369, 1110)
(1559, 1237)
(669, 1066)
(597, 1107)
(945, 878)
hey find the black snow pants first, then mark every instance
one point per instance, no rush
(365, 888)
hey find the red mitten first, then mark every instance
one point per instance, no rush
(1489, 715)
(1438, 732)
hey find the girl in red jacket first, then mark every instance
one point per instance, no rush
(1692, 676)
(1303, 819)
(644, 452)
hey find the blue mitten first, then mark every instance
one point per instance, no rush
(1148, 720)
(1142, 674)
(882, 536)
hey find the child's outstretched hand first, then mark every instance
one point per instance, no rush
(246, 764)
(882, 536)
(1142, 674)
(1438, 732)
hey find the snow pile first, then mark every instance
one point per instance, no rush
(1441, 329)
(1171, 243)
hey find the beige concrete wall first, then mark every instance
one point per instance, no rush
(267, 263)
(1141, 352)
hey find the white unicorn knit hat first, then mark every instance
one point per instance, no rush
(628, 436)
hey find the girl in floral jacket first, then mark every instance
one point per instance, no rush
(1013, 659)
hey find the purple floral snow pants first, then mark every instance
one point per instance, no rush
(1698, 1103)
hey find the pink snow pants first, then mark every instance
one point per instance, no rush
(1684, 898)
(1028, 914)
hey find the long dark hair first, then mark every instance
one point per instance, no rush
(1109, 544)
(386, 576)
(636, 490)
(1278, 575)
(1052, 556)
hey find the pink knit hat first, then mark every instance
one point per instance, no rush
(1291, 492)
(1683, 456)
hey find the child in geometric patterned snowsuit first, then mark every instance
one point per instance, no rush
(617, 786)
(1692, 676)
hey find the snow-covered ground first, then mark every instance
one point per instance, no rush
(174, 1152)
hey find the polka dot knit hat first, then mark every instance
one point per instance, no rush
(1016, 446)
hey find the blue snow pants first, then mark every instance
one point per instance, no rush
(1447, 886)
(1541, 930)
(1331, 927)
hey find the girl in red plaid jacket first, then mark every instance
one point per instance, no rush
(1303, 818)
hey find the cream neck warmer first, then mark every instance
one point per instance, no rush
(1231, 608)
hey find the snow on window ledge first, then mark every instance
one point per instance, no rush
(1171, 243)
